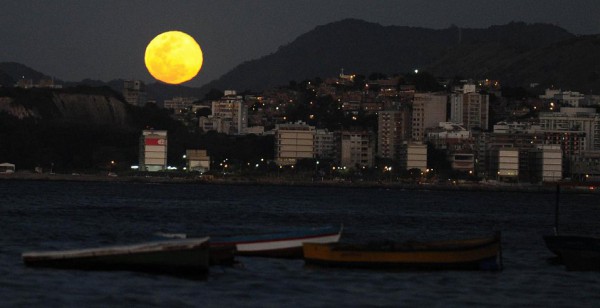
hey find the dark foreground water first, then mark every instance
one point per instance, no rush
(64, 215)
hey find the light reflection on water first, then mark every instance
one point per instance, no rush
(61, 215)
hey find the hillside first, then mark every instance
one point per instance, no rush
(570, 64)
(365, 48)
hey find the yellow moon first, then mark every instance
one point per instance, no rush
(173, 57)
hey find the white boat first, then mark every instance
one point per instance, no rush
(281, 245)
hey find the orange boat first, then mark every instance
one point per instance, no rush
(466, 254)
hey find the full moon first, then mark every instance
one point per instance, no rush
(173, 57)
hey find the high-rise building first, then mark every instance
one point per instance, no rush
(393, 129)
(153, 150)
(428, 110)
(231, 108)
(471, 109)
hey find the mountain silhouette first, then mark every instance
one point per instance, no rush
(364, 48)
(516, 53)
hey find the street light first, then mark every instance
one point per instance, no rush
(388, 169)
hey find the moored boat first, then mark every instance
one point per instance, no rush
(576, 252)
(279, 245)
(186, 257)
(467, 254)
(218, 255)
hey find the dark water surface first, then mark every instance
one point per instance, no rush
(37, 215)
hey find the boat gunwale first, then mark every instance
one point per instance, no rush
(226, 243)
(410, 246)
(140, 248)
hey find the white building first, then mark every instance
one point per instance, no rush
(549, 93)
(470, 109)
(429, 109)
(294, 141)
(569, 98)
(574, 120)
(508, 163)
(414, 156)
(153, 150)
(547, 163)
(197, 160)
(231, 108)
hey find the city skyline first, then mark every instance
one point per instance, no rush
(106, 40)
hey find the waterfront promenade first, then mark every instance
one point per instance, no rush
(566, 187)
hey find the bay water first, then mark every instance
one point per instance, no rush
(53, 215)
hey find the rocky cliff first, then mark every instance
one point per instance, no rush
(66, 106)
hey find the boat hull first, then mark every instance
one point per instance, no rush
(577, 253)
(222, 255)
(484, 254)
(188, 257)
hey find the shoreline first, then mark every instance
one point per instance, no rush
(499, 187)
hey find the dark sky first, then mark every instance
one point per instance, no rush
(105, 40)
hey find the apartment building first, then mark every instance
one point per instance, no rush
(547, 163)
(325, 144)
(428, 110)
(393, 129)
(357, 149)
(505, 164)
(294, 141)
(471, 109)
(414, 156)
(584, 120)
(231, 109)
(179, 104)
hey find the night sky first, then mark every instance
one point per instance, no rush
(73, 40)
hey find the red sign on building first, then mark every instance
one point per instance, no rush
(155, 141)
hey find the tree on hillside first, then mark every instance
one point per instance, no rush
(213, 94)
